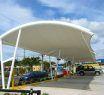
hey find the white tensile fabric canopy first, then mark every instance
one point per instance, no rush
(55, 38)
(47, 36)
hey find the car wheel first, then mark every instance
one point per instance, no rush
(97, 73)
(32, 81)
(81, 73)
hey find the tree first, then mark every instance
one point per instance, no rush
(9, 63)
(46, 65)
(35, 60)
(31, 62)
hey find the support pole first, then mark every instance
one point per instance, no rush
(57, 65)
(73, 65)
(14, 56)
(42, 63)
(67, 67)
(2, 65)
(73, 59)
(24, 53)
(51, 72)
(59, 53)
(74, 70)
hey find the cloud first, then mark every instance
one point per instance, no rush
(96, 27)
(65, 5)
(11, 15)
(99, 53)
(92, 9)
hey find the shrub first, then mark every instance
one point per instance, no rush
(45, 94)
(6, 94)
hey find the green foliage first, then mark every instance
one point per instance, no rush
(31, 61)
(23, 93)
(45, 94)
(46, 65)
(67, 64)
(6, 94)
(10, 62)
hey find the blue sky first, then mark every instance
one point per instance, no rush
(87, 13)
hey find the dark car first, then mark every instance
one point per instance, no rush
(32, 77)
(87, 70)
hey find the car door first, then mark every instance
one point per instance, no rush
(90, 70)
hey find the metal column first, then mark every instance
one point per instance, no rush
(2, 64)
(42, 63)
(14, 56)
(51, 72)
(59, 53)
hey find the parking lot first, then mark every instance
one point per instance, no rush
(75, 85)
(70, 85)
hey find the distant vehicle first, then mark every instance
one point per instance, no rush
(33, 77)
(88, 70)
(102, 67)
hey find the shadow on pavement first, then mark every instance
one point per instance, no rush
(73, 82)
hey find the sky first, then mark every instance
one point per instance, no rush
(86, 13)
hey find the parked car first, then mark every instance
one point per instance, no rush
(33, 77)
(102, 67)
(88, 70)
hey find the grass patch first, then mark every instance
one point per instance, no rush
(45, 94)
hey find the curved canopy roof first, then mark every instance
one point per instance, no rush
(52, 36)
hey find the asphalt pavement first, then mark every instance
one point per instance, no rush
(71, 85)
(75, 85)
